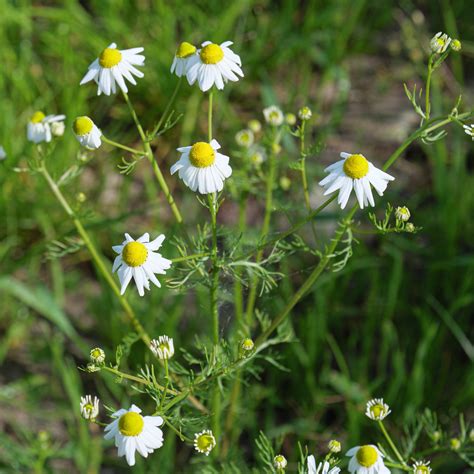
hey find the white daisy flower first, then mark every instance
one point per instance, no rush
(87, 133)
(376, 409)
(322, 468)
(182, 57)
(257, 156)
(163, 347)
(39, 127)
(469, 129)
(97, 355)
(402, 213)
(112, 67)
(57, 129)
(214, 65)
(279, 461)
(366, 460)
(440, 42)
(273, 115)
(305, 113)
(421, 467)
(244, 138)
(3, 153)
(89, 407)
(202, 168)
(355, 172)
(204, 442)
(134, 432)
(139, 259)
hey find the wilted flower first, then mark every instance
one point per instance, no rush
(440, 42)
(112, 67)
(87, 132)
(89, 407)
(355, 172)
(376, 409)
(204, 442)
(273, 115)
(244, 138)
(202, 167)
(214, 65)
(182, 57)
(163, 347)
(133, 432)
(279, 461)
(139, 259)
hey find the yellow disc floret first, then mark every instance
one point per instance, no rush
(134, 254)
(422, 469)
(377, 410)
(185, 50)
(131, 424)
(82, 125)
(211, 54)
(110, 57)
(205, 442)
(202, 155)
(367, 456)
(356, 166)
(37, 117)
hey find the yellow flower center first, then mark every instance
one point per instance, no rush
(96, 353)
(37, 117)
(212, 54)
(110, 57)
(131, 424)
(89, 407)
(185, 50)
(422, 470)
(201, 155)
(134, 254)
(205, 442)
(356, 166)
(82, 125)
(367, 456)
(440, 42)
(377, 410)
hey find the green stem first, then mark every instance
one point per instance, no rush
(398, 466)
(136, 379)
(265, 227)
(181, 436)
(156, 169)
(209, 117)
(167, 109)
(428, 87)
(391, 443)
(99, 263)
(303, 167)
(238, 289)
(194, 256)
(123, 147)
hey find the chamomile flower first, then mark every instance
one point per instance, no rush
(402, 213)
(3, 153)
(89, 407)
(112, 67)
(133, 432)
(97, 355)
(39, 126)
(305, 113)
(139, 259)
(440, 42)
(376, 409)
(202, 167)
(247, 345)
(87, 133)
(279, 461)
(322, 468)
(57, 129)
(204, 442)
(355, 172)
(290, 119)
(366, 460)
(421, 467)
(182, 57)
(469, 129)
(456, 45)
(254, 125)
(244, 138)
(214, 64)
(334, 446)
(258, 156)
(163, 347)
(273, 115)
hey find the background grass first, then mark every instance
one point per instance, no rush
(395, 322)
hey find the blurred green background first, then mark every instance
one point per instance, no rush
(394, 323)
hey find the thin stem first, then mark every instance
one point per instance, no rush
(167, 377)
(303, 166)
(156, 169)
(98, 260)
(398, 466)
(123, 147)
(209, 116)
(181, 436)
(428, 86)
(136, 379)
(194, 256)
(238, 289)
(167, 109)
(391, 443)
